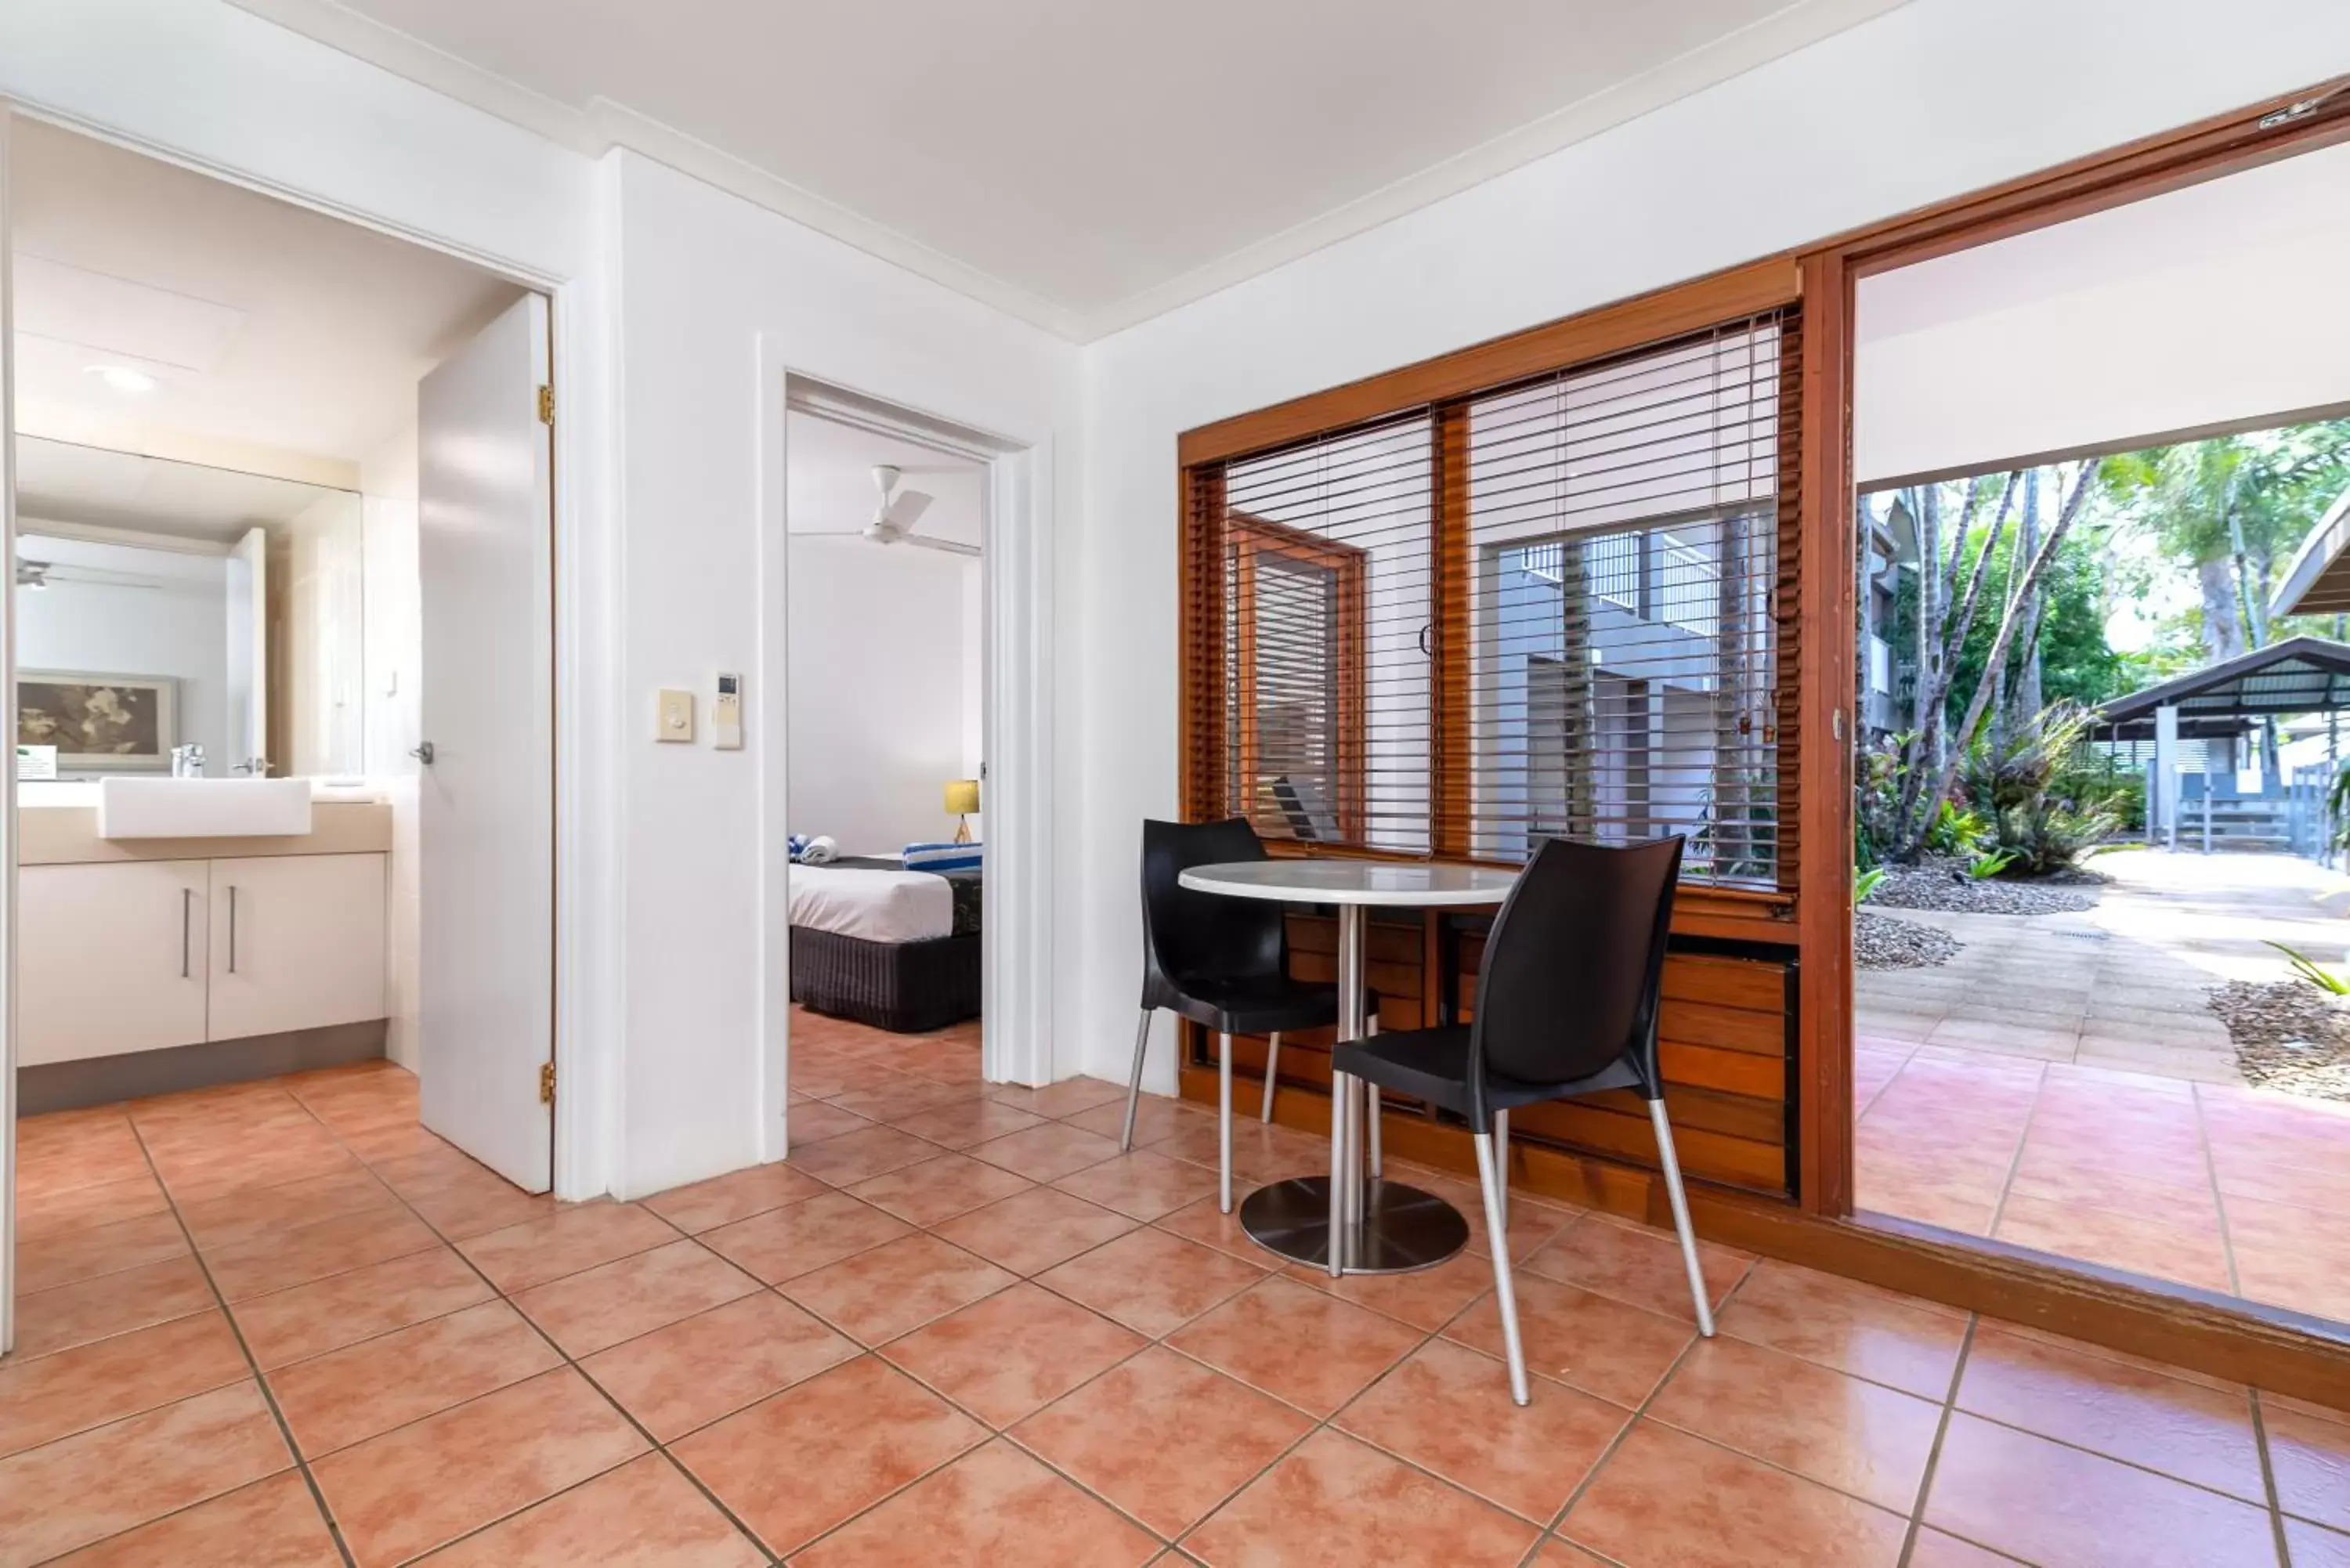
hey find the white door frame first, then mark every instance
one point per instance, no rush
(8, 771)
(1015, 732)
(586, 1028)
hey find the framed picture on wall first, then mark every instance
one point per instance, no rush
(120, 724)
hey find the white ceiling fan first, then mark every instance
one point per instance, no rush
(894, 518)
(32, 574)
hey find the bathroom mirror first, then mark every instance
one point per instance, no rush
(161, 604)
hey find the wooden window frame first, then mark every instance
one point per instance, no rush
(1250, 536)
(2225, 1337)
(1443, 387)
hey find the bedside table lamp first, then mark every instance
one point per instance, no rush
(962, 799)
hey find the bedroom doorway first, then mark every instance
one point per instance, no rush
(885, 713)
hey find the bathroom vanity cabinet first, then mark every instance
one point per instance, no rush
(139, 952)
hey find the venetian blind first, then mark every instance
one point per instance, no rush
(1562, 608)
(1324, 555)
(1624, 526)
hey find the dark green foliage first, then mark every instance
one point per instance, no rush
(2044, 802)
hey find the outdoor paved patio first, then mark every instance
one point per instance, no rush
(2120, 986)
(2060, 1085)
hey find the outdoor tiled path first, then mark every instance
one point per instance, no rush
(2226, 1189)
(2121, 985)
(279, 1324)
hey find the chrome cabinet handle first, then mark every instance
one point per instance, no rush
(232, 927)
(187, 924)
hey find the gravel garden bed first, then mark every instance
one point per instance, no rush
(1940, 884)
(1881, 941)
(2289, 1035)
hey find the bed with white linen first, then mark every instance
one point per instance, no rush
(894, 948)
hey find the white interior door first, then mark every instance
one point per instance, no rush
(486, 794)
(248, 656)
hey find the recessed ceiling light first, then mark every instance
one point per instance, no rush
(123, 379)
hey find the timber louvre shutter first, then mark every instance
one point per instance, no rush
(1561, 608)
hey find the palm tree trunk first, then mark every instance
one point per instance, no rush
(1931, 754)
(2010, 624)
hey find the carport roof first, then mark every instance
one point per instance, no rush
(2317, 582)
(2299, 675)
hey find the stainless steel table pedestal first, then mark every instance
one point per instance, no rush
(1402, 1227)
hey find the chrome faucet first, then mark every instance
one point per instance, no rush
(188, 762)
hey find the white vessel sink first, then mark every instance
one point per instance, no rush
(202, 809)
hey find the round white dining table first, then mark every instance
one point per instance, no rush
(1354, 1221)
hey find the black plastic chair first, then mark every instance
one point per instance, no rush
(1222, 962)
(1567, 1005)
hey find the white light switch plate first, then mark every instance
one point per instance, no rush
(673, 719)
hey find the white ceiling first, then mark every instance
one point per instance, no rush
(92, 487)
(270, 329)
(1085, 163)
(829, 484)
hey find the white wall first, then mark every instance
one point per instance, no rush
(2221, 302)
(706, 282)
(879, 691)
(1934, 99)
(176, 627)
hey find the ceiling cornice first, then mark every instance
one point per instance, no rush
(603, 125)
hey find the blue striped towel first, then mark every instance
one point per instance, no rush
(942, 857)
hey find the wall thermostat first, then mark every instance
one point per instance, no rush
(726, 714)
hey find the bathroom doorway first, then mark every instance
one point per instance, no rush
(281, 825)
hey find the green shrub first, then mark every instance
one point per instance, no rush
(2044, 838)
(2318, 975)
(2046, 804)
(1983, 868)
(1956, 832)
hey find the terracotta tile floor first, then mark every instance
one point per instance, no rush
(277, 1324)
(2231, 1189)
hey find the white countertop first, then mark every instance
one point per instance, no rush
(82, 794)
(1412, 884)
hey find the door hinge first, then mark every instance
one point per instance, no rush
(547, 1083)
(547, 405)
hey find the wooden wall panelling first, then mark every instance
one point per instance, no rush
(1723, 1040)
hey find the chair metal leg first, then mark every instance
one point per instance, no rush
(1502, 1163)
(1674, 1191)
(1340, 1089)
(1134, 1083)
(1505, 1294)
(1224, 1119)
(1272, 1074)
